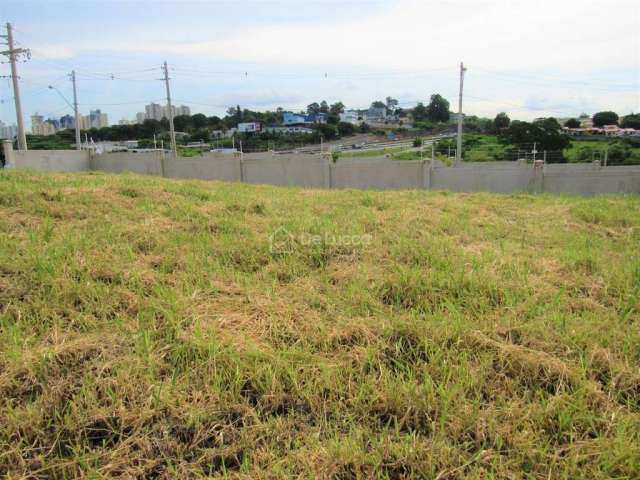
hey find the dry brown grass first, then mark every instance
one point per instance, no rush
(147, 331)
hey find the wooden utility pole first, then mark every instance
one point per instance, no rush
(75, 111)
(459, 144)
(172, 132)
(13, 53)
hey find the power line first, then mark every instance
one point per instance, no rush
(187, 71)
(545, 80)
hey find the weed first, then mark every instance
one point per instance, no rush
(148, 330)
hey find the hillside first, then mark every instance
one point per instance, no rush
(149, 330)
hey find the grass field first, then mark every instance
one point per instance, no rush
(149, 330)
(372, 153)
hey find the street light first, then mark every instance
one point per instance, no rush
(74, 108)
(60, 93)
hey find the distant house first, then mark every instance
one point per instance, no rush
(607, 130)
(290, 118)
(616, 131)
(585, 121)
(249, 127)
(376, 114)
(316, 118)
(351, 116)
(291, 129)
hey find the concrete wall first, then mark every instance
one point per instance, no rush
(300, 170)
(501, 177)
(380, 173)
(591, 179)
(51, 160)
(208, 167)
(142, 163)
(309, 170)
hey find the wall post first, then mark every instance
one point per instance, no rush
(538, 176)
(7, 149)
(241, 165)
(162, 160)
(426, 174)
(328, 172)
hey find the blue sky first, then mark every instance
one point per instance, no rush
(527, 58)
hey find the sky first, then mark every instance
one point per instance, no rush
(527, 58)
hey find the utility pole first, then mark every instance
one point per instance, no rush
(75, 110)
(459, 145)
(172, 132)
(13, 53)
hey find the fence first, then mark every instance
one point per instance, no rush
(314, 170)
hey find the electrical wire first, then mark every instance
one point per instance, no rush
(550, 80)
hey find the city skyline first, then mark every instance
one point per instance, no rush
(249, 55)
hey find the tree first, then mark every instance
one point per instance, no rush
(149, 127)
(549, 122)
(334, 113)
(234, 115)
(201, 135)
(313, 108)
(324, 107)
(326, 130)
(182, 123)
(572, 123)
(345, 129)
(419, 112)
(544, 133)
(601, 119)
(199, 120)
(501, 121)
(438, 109)
(336, 108)
(392, 104)
(631, 121)
(378, 104)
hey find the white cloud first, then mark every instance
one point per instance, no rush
(54, 52)
(412, 34)
(588, 41)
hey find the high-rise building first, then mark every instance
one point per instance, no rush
(40, 127)
(165, 111)
(67, 121)
(153, 111)
(55, 123)
(183, 110)
(97, 119)
(36, 120)
(84, 122)
(8, 131)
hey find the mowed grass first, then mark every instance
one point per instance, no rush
(147, 331)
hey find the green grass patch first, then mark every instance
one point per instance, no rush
(149, 328)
